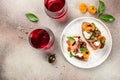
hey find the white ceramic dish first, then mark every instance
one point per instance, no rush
(96, 57)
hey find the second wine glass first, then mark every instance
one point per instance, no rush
(56, 9)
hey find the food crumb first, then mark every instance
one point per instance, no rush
(20, 37)
(64, 66)
(19, 27)
(26, 32)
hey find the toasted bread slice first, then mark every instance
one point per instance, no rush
(93, 35)
(77, 48)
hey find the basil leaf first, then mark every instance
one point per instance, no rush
(92, 37)
(101, 7)
(102, 42)
(70, 38)
(32, 17)
(107, 18)
(94, 25)
(83, 50)
(71, 55)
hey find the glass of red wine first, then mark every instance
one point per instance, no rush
(42, 39)
(56, 9)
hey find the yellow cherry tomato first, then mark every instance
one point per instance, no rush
(83, 7)
(92, 9)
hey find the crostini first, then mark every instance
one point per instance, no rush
(77, 48)
(93, 35)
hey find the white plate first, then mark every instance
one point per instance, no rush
(96, 57)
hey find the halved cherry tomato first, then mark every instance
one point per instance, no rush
(89, 28)
(101, 38)
(69, 48)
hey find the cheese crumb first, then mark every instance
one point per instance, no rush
(87, 35)
(97, 43)
(79, 55)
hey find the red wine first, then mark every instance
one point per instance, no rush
(55, 8)
(54, 5)
(39, 38)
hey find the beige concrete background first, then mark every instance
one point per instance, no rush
(19, 61)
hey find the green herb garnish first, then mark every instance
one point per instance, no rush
(92, 37)
(107, 18)
(32, 17)
(101, 7)
(94, 25)
(71, 55)
(102, 42)
(83, 50)
(70, 38)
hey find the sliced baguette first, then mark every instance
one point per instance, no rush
(92, 30)
(78, 47)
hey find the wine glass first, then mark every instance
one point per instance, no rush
(42, 39)
(56, 9)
